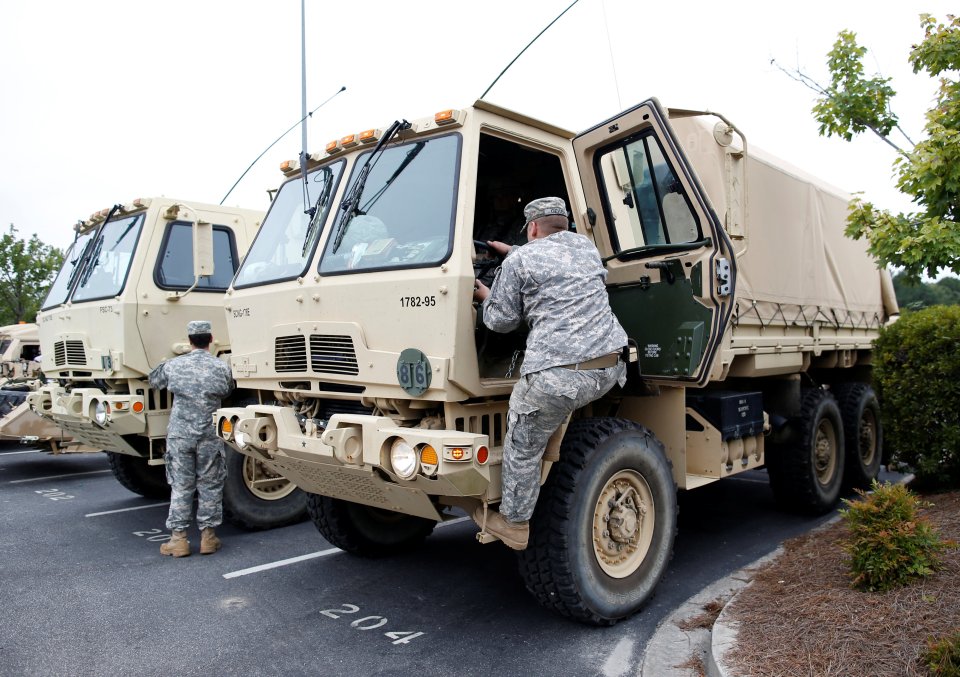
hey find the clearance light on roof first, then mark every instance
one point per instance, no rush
(349, 141)
(289, 166)
(445, 117)
(334, 147)
(369, 136)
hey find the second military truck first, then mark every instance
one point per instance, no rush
(134, 276)
(383, 395)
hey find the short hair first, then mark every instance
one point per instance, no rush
(200, 340)
(554, 222)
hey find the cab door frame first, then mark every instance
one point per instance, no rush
(675, 298)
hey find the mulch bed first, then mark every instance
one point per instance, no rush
(801, 617)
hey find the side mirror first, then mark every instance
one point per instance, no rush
(202, 249)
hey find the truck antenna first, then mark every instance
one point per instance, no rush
(528, 47)
(310, 114)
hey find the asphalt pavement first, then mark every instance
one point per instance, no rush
(84, 591)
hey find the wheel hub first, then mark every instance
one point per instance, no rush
(263, 483)
(623, 524)
(825, 452)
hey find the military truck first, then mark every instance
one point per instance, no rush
(382, 394)
(134, 276)
(19, 369)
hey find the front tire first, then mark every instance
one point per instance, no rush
(366, 531)
(862, 433)
(603, 530)
(255, 498)
(133, 472)
(806, 472)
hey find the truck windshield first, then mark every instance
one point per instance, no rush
(404, 216)
(72, 265)
(282, 248)
(109, 260)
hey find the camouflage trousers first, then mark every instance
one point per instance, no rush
(541, 403)
(195, 466)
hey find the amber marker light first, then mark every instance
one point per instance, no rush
(369, 136)
(288, 165)
(137, 407)
(226, 428)
(349, 141)
(445, 117)
(429, 461)
(333, 147)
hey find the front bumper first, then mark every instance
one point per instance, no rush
(75, 412)
(350, 458)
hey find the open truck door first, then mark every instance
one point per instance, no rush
(671, 269)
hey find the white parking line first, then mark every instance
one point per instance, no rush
(57, 477)
(312, 555)
(28, 451)
(281, 563)
(137, 507)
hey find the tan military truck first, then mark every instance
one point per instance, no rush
(750, 319)
(19, 369)
(134, 276)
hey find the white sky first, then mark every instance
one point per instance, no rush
(104, 101)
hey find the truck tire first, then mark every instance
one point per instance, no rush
(365, 531)
(254, 498)
(587, 558)
(862, 433)
(150, 481)
(806, 471)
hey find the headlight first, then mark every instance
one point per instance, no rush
(403, 458)
(100, 411)
(240, 438)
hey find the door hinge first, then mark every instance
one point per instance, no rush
(723, 277)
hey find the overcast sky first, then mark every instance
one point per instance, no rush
(104, 101)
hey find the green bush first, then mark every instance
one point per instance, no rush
(942, 656)
(917, 376)
(890, 544)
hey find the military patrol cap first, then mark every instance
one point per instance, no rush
(544, 206)
(198, 327)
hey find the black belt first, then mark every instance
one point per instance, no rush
(602, 362)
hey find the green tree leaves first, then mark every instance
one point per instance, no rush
(27, 268)
(928, 240)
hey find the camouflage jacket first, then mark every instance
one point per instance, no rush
(198, 381)
(556, 284)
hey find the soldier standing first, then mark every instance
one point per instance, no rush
(195, 455)
(556, 283)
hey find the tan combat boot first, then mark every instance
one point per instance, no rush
(514, 535)
(178, 545)
(209, 543)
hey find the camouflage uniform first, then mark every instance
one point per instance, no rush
(195, 455)
(557, 285)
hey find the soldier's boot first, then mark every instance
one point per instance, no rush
(514, 535)
(178, 545)
(209, 543)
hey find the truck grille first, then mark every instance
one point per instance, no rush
(290, 353)
(332, 354)
(69, 352)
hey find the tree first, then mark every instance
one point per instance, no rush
(928, 240)
(914, 295)
(27, 269)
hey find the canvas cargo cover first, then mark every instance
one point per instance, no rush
(794, 263)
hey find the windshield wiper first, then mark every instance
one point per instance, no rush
(317, 210)
(411, 154)
(78, 262)
(94, 259)
(349, 208)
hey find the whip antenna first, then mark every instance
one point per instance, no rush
(310, 114)
(528, 47)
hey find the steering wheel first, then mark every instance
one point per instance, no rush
(487, 262)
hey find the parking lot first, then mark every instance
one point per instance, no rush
(85, 592)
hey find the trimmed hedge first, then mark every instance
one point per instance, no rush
(917, 375)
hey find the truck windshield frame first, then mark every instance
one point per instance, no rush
(108, 265)
(405, 215)
(70, 270)
(282, 249)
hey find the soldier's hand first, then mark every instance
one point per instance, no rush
(480, 291)
(501, 248)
